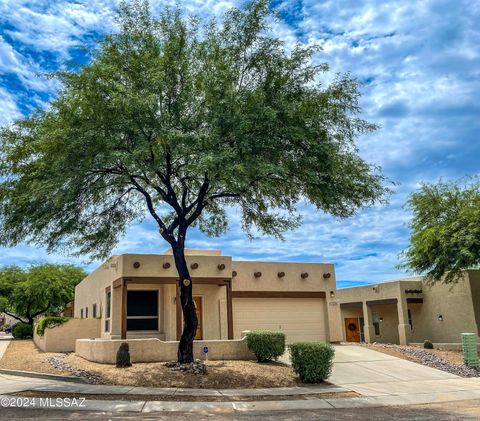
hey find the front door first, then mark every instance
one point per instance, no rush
(352, 330)
(199, 308)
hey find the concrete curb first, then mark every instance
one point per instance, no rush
(46, 376)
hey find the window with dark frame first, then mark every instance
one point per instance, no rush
(86, 312)
(81, 313)
(94, 311)
(108, 297)
(142, 310)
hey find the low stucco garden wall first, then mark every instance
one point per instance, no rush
(62, 338)
(155, 350)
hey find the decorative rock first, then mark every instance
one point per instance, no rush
(197, 367)
(431, 360)
(59, 363)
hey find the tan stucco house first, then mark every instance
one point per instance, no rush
(136, 296)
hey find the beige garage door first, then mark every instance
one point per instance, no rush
(301, 319)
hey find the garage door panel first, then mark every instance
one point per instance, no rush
(301, 319)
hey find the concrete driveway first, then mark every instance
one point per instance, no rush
(372, 373)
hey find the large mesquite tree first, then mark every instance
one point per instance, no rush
(181, 121)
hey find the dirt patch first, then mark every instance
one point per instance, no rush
(221, 374)
(24, 355)
(181, 398)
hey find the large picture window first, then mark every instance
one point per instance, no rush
(142, 310)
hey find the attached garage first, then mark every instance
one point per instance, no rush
(301, 319)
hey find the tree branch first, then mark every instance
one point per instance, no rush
(14, 316)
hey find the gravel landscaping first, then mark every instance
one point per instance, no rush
(449, 361)
(24, 355)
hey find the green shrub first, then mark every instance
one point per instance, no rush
(266, 345)
(22, 331)
(312, 361)
(427, 344)
(49, 321)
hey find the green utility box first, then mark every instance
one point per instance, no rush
(470, 352)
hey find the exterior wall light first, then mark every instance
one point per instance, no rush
(440, 318)
(380, 319)
(136, 265)
(332, 294)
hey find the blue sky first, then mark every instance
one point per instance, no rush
(419, 64)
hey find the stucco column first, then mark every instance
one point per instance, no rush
(368, 329)
(404, 331)
(115, 313)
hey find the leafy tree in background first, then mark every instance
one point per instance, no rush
(445, 230)
(28, 293)
(181, 121)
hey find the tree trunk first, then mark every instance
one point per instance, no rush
(190, 322)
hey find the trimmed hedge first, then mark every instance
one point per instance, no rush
(49, 321)
(22, 331)
(427, 344)
(266, 345)
(312, 361)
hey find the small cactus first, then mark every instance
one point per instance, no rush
(123, 356)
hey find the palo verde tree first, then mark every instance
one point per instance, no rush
(41, 289)
(179, 121)
(445, 230)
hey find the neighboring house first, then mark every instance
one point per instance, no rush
(5, 319)
(136, 296)
(407, 311)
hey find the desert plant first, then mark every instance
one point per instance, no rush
(312, 361)
(266, 345)
(22, 331)
(427, 344)
(49, 321)
(123, 356)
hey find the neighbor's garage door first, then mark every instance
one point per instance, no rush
(301, 319)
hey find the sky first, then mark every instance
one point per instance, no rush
(419, 66)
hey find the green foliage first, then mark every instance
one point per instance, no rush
(445, 230)
(312, 361)
(266, 345)
(28, 293)
(182, 120)
(4, 327)
(22, 331)
(49, 321)
(123, 356)
(427, 344)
